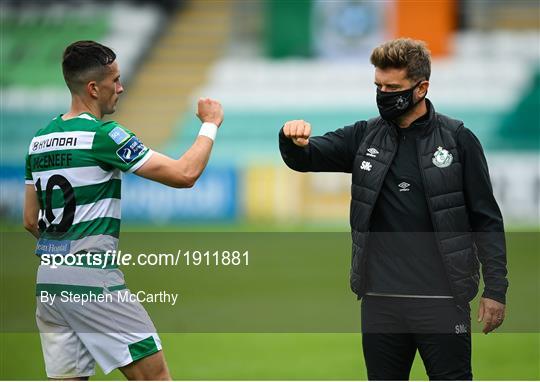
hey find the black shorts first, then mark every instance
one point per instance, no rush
(393, 328)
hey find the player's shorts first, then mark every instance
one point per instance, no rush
(113, 333)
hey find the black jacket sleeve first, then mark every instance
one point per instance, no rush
(331, 152)
(485, 216)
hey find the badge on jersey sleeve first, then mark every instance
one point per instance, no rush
(442, 158)
(118, 135)
(131, 150)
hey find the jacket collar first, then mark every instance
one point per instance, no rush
(430, 121)
(421, 127)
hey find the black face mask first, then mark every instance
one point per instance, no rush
(394, 104)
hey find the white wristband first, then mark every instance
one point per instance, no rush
(209, 129)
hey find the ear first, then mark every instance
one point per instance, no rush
(423, 89)
(92, 89)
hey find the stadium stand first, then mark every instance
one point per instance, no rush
(34, 37)
(171, 55)
(176, 65)
(261, 94)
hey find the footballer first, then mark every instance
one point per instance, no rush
(74, 169)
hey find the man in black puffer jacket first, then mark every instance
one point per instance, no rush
(423, 219)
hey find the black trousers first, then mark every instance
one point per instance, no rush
(394, 328)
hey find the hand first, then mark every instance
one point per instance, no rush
(491, 313)
(299, 131)
(209, 110)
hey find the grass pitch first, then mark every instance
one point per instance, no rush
(513, 354)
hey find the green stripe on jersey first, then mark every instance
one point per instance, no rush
(100, 226)
(78, 163)
(87, 194)
(74, 124)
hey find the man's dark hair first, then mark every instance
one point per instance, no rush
(404, 53)
(85, 61)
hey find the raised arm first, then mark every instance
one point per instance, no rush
(332, 152)
(184, 171)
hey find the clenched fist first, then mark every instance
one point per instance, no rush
(209, 110)
(299, 131)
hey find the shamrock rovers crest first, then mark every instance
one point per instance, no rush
(442, 158)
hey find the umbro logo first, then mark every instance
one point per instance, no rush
(372, 152)
(366, 166)
(404, 186)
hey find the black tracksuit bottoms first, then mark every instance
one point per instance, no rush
(394, 328)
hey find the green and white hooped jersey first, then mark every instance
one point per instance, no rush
(76, 167)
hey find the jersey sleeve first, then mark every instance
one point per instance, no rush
(117, 147)
(28, 171)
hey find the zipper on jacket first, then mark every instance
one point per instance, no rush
(435, 231)
(364, 261)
